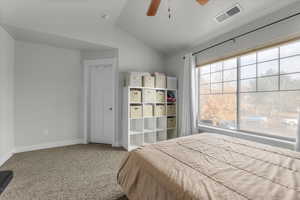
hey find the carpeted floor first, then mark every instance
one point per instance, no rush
(79, 172)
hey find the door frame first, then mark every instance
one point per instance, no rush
(87, 64)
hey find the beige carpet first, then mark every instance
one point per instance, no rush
(79, 172)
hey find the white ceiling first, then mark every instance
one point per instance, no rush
(191, 23)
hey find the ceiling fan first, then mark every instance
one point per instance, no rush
(155, 5)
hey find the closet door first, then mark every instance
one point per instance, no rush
(101, 104)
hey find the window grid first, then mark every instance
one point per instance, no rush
(260, 76)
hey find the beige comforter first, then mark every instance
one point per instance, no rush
(210, 166)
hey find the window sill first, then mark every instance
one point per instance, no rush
(248, 136)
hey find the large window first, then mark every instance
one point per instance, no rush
(258, 92)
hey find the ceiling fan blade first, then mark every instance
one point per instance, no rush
(153, 7)
(202, 2)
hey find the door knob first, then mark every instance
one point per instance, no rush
(110, 109)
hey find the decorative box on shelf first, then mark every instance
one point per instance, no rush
(149, 81)
(160, 80)
(134, 79)
(160, 110)
(148, 110)
(135, 96)
(171, 110)
(160, 96)
(171, 122)
(149, 96)
(171, 83)
(136, 112)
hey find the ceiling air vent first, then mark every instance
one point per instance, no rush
(228, 13)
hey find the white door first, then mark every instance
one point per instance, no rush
(101, 109)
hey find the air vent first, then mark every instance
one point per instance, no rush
(228, 13)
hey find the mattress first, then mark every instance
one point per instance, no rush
(210, 166)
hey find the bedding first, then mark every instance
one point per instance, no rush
(210, 166)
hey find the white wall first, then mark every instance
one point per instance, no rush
(278, 32)
(47, 95)
(6, 95)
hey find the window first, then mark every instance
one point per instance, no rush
(255, 93)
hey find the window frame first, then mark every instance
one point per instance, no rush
(238, 89)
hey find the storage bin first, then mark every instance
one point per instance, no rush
(160, 81)
(136, 112)
(149, 81)
(148, 111)
(171, 83)
(171, 122)
(134, 79)
(171, 110)
(149, 96)
(135, 96)
(160, 96)
(160, 110)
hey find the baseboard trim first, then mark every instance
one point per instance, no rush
(5, 158)
(49, 145)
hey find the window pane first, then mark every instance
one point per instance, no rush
(248, 72)
(290, 82)
(268, 54)
(290, 65)
(216, 77)
(267, 83)
(248, 85)
(230, 75)
(272, 113)
(205, 79)
(231, 63)
(216, 88)
(216, 67)
(205, 89)
(229, 87)
(268, 68)
(290, 49)
(205, 69)
(218, 110)
(248, 59)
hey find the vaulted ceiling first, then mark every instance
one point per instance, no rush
(190, 24)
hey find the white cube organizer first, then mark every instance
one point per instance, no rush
(171, 83)
(148, 81)
(160, 81)
(135, 96)
(160, 110)
(149, 96)
(171, 110)
(136, 112)
(148, 110)
(160, 96)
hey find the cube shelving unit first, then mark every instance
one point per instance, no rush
(143, 130)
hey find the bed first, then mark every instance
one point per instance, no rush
(210, 166)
